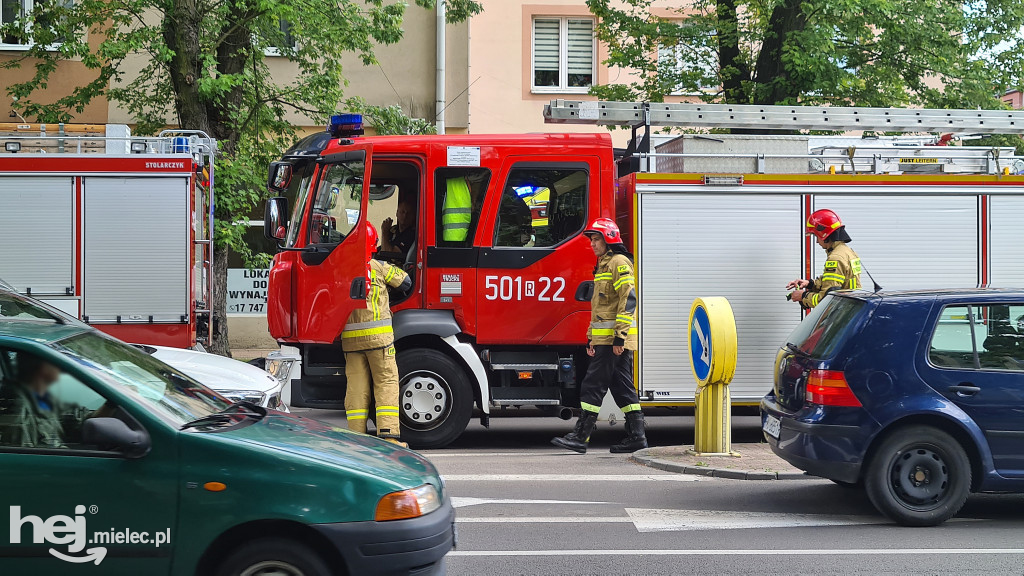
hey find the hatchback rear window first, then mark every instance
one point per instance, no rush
(826, 326)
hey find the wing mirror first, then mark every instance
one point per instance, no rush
(280, 175)
(273, 218)
(112, 434)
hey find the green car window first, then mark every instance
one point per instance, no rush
(160, 388)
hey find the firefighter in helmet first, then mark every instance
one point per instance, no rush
(369, 345)
(612, 337)
(842, 267)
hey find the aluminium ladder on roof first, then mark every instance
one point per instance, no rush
(783, 117)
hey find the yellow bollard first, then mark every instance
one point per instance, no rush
(713, 361)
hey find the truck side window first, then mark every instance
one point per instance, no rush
(459, 193)
(337, 204)
(541, 207)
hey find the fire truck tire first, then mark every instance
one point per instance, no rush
(435, 398)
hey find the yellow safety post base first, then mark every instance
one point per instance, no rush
(713, 434)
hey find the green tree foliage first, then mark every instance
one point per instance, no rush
(931, 53)
(389, 120)
(200, 65)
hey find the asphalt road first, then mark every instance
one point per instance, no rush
(525, 507)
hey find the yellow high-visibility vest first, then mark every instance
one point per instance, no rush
(457, 212)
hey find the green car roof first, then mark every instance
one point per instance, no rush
(41, 331)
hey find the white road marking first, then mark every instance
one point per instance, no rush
(570, 478)
(655, 520)
(829, 552)
(463, 501)
(544, 520)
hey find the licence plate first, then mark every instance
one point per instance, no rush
(772, 426)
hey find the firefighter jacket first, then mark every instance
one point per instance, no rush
(370, 328)
(457, 211)
(613, 306)
(842, 271)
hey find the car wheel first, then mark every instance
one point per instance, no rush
(274, 557)
(919, 476)
(435, 398)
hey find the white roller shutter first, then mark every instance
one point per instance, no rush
(909, 242)
(715, 245)
(1007, 228)
(136, 249)
(37, 230)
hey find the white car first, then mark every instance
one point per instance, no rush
(232, 379)
(235, 380)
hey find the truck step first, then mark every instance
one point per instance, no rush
(523, 367)
(526, 401)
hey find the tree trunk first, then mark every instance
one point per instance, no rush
(220, 343)
(775, 84)
(731, 63)
(181, 32)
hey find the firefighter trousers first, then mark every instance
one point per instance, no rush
(608, 372)
(372, 376)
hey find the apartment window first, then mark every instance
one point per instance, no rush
(563, 54)
(684, 57)
(280, 38)
(13, 14)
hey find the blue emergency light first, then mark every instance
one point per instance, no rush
(345, 125)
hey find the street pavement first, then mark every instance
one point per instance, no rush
(525, 507)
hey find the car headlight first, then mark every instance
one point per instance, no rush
(410, 503)
(255, 396)
(280, 369)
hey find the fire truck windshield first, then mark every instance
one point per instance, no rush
(335, 208)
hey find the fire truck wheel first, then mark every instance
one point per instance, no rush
(435, 398)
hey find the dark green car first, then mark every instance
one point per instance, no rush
(111, 462)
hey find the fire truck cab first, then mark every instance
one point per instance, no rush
(499, 309)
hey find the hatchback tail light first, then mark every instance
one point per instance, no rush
(829, 388)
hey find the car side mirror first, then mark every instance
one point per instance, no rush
(279, 176)
(273, 218)
(112, 434)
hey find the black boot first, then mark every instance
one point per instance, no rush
(578, 438)
(636, 437)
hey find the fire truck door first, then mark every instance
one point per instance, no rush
(538, 257)
(331, 279)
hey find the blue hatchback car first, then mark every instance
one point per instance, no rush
(916, 396)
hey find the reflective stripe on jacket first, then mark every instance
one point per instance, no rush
(842, 271)
(369, 328)
(613, 306)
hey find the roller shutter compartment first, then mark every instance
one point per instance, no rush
(136, 249)
(731, 245)
(37, 229)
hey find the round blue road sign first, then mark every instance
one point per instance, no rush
(700, 343)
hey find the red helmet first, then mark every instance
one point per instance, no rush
(822, 223)
(371, 236)
(606, 228)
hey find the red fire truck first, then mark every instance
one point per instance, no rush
(111, 228)
(499, 318)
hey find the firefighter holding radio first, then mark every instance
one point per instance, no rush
(842, 267)
(368, 341)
